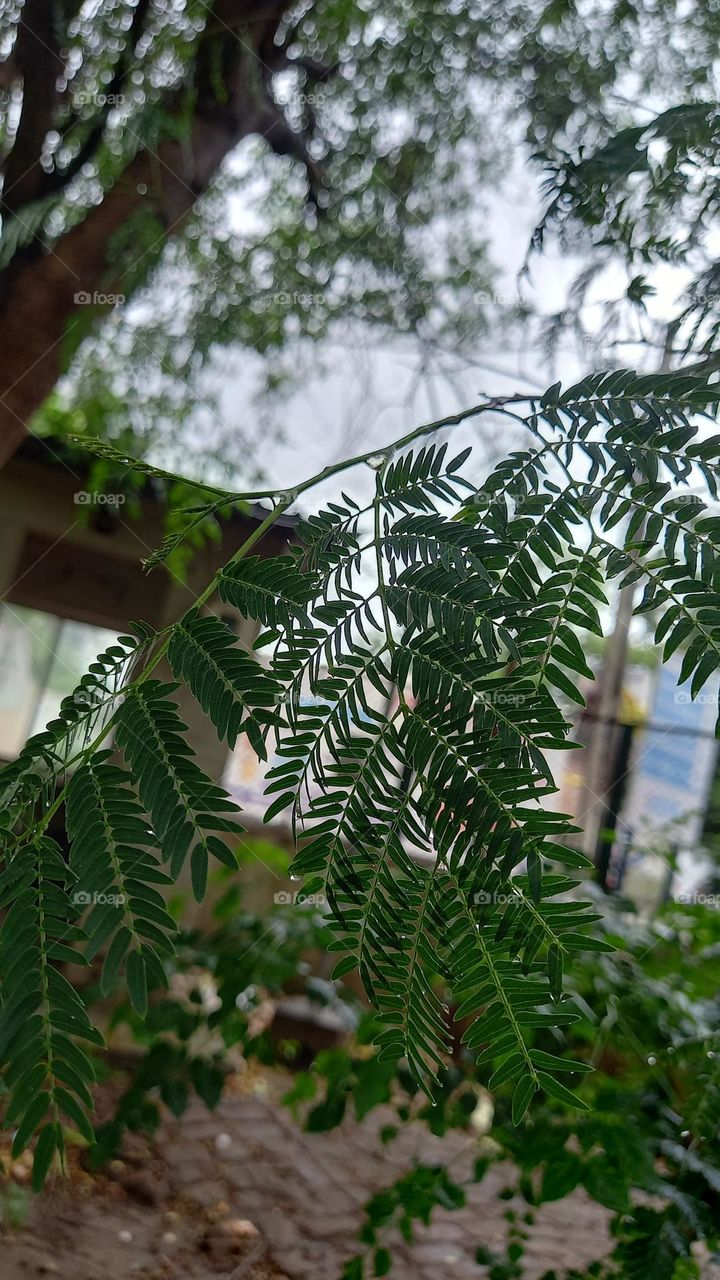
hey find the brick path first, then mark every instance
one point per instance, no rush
(244, 1194)
(305, 1193)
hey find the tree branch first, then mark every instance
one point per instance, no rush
(41, 290)
(37, 61)
(60, 178)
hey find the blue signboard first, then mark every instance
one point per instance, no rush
(675, 757)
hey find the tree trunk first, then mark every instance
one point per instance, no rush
(45, 298)
(45, 291)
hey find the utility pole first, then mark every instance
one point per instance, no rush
(604, 739)
(604, 732)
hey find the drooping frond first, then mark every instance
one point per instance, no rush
(101, 448)
(455, 770)
(185, 806)
(477, 628)
(272, 591)
(46, 1072)
(644, 466)
(115, 869)
(80, 715)
(231, 687)
(419, 651)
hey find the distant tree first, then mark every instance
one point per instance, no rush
(382, 136)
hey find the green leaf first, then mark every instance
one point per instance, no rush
(522, 1096)
(382, 1262)
(34, 1113)
(45, 1148)
(419, 654)
(353, 1269)
(555, 971)
(560, 1093)
(560, 1176)
(137, 982)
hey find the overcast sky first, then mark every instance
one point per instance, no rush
(369, 395)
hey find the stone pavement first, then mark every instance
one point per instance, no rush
(305, 1193)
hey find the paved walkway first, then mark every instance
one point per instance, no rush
(305, 1193)
(244, 1194)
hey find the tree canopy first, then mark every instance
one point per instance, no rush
(253, 174)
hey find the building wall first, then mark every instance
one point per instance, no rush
(83, 561)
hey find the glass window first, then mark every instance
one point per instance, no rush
(42, 658)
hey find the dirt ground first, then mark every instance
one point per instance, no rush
(245, 1193)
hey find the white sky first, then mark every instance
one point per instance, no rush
(366, 399)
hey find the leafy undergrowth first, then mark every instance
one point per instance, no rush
(646, 1148)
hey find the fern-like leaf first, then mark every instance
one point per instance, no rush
(185, 806)
(230, 685)
(116, 870)
(420, 652)
(46, 1072)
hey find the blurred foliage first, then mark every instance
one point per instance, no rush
(647, 1149)
(222, 995)
(643, 199)
(414, 119)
